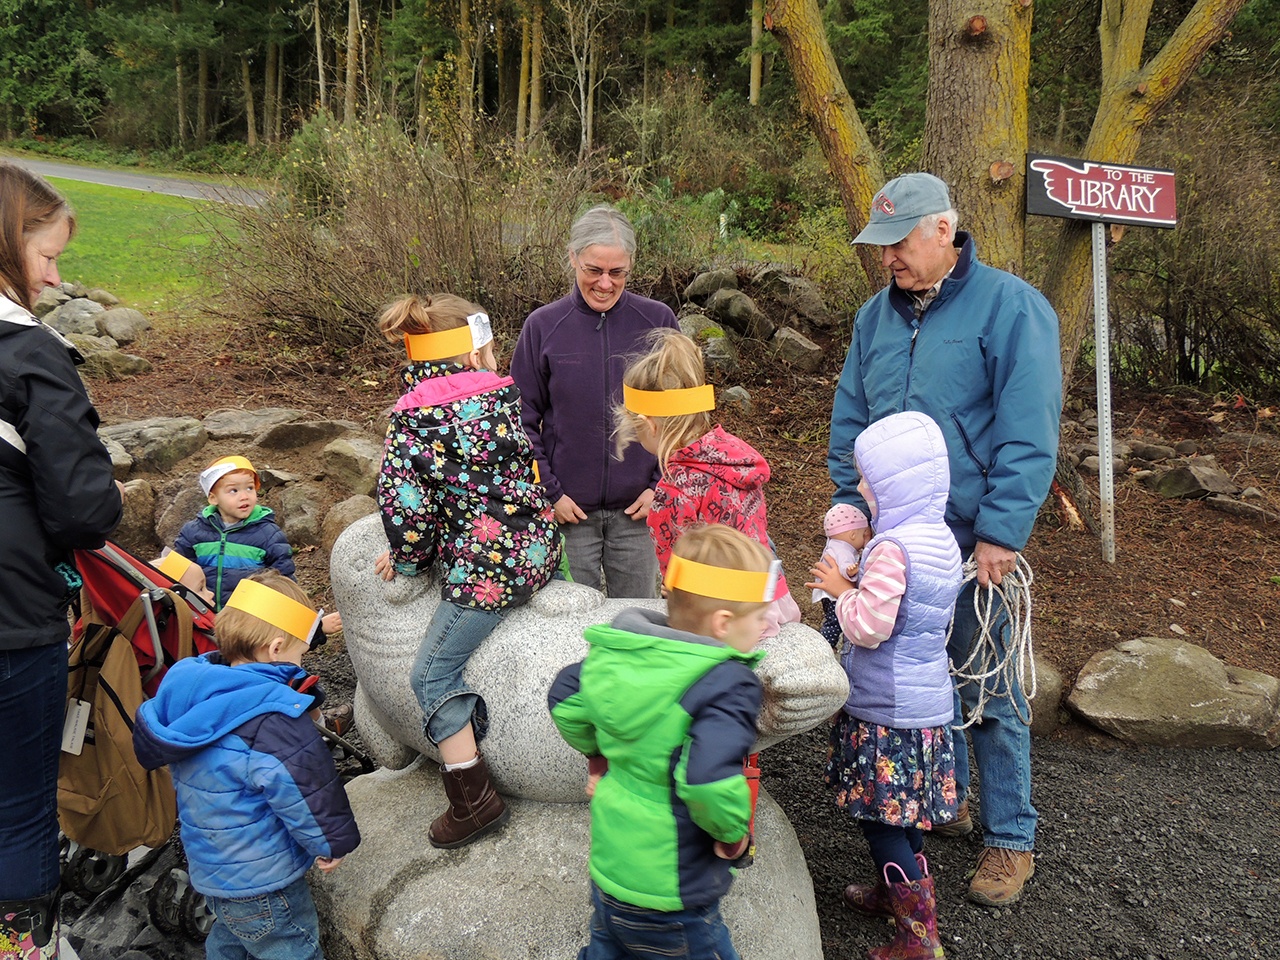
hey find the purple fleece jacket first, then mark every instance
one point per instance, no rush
(568, 364)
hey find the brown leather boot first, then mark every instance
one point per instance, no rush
(474, 807)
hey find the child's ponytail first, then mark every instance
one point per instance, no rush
(431, 313)
(674, 362)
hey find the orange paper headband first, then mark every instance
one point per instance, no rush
(284, 613)
(722, 583)
(669, 403)
(173, 565)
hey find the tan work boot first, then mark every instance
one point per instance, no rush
(961, 826)
(1001, 875)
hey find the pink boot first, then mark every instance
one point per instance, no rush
(915, 918)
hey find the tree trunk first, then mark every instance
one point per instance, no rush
(975, 131)
(324, 90)
(202, 97)
(522, 97)
(353, 61)
(831, 114)
(466, 76)
(593, 67)
(277, 133)
(477, 68)
(250, 116)
(757, 57)
(420, 99)
(181, 80)
(269, 87)
(646, 44)
(182, 104)
(1132, 95)
(535, 72)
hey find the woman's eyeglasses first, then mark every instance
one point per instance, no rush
(595, 273)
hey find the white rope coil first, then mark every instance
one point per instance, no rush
(986, 666)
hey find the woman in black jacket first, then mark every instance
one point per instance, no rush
(56, 495)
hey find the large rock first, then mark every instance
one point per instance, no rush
(799, 295)
(75, 316)
(514, 667)
(186, 505)
(159, 443)
(123, 324)
(1168, 692)
(521, 893)
(353, 461)
(300, 513)
(241, 424)
(705, 284)
(735, 310)
(114, 365)
(137, 530)
(1047, 702)
(294, 434)
(798, 350)
(343, 515)
(1194, 480)
(50, 299)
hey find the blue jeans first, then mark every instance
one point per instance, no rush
(620, 930)
(281, 925)
(33, 696)
(447, 702)
(609, 541)
(1001, 742)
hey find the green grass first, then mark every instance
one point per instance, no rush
(138, 246)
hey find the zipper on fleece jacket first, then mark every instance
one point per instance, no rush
(608, 405)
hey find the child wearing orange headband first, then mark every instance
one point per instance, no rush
(459, 497)
(234, 536)
(665, 835)
(708, 474)
(259, 799)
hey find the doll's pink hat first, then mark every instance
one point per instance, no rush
(842, 517)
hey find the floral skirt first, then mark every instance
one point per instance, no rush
(902, 777)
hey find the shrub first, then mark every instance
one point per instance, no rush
(364, 215)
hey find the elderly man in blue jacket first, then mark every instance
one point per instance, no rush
(976, 349)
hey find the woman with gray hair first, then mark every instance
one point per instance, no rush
(568, 364)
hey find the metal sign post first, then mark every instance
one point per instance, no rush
(1102, 368)
(1103, 193)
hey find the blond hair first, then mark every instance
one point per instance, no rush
(430, 314)
(674, 362)
(718, 546)
(241, 635)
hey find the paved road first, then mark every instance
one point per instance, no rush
(148, 183)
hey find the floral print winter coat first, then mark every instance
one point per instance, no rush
(457, 488)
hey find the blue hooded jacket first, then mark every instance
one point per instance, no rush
(984, 363)
(259, 797)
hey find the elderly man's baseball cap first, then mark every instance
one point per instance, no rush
(901, 204)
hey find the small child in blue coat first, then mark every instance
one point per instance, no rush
(259, 797)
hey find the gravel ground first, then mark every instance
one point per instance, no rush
(1150, 854)
(1145, 853)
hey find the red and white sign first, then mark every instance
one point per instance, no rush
(1107, 192)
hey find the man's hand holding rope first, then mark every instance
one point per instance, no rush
(1001, 571)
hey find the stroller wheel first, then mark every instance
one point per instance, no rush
(89, 872)
(194, 916)
(164, 900)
